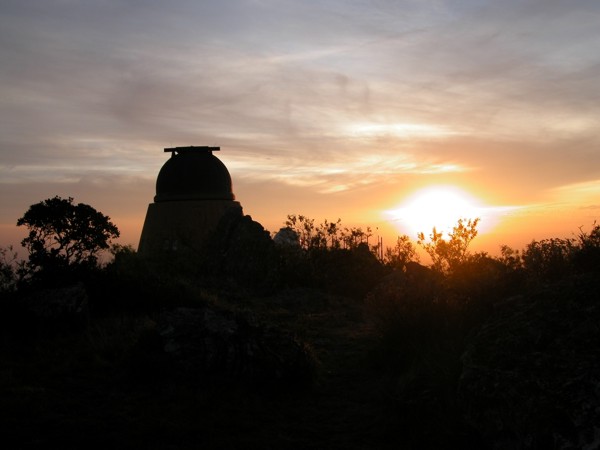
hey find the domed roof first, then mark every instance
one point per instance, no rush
(193, 173)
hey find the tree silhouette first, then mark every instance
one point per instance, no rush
(62, 234)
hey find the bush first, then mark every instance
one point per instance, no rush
(410, 312)
(134, 283)
(446, 254)
(401, 254)
(11, 270)
(348, 272)
(587, 256)
(549, 259)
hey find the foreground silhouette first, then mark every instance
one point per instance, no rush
(258, 344)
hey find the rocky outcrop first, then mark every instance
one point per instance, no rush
(287, 238)
(241, 252)
(206, 342)
(531, 377)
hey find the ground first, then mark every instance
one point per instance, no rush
(87, 388)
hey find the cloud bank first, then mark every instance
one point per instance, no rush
(339, 99)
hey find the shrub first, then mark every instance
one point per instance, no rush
(446, 254)
(549, 259)
(587, 256)
(11, 269)
(409, 310)
(401, 254)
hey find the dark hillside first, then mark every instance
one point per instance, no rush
(111, 384)
(479, 352)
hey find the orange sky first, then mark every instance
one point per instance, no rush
(329, 109)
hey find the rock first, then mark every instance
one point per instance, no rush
(242, 251)
(206, 342)
(287, 238)
(531, 376)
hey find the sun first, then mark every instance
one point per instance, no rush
(436, 206)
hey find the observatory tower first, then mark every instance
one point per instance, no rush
(193, 193)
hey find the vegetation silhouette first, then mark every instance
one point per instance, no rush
(312, 338)
(447, 255)
(64, 237)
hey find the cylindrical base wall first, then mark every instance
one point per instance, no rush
(180, 225)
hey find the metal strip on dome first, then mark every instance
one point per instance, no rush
(192, 148)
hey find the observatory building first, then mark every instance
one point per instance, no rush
(193, 193)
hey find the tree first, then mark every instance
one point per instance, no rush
(446, 255)
(63, 235)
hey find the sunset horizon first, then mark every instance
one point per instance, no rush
(300, 224)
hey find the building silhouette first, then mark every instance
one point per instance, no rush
(193, 193)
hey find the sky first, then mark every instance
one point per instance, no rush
(330, 108)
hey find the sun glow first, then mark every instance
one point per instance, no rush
(437, 206)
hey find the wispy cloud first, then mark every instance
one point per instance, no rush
(330, 97)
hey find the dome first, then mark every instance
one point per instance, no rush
(193, 173)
